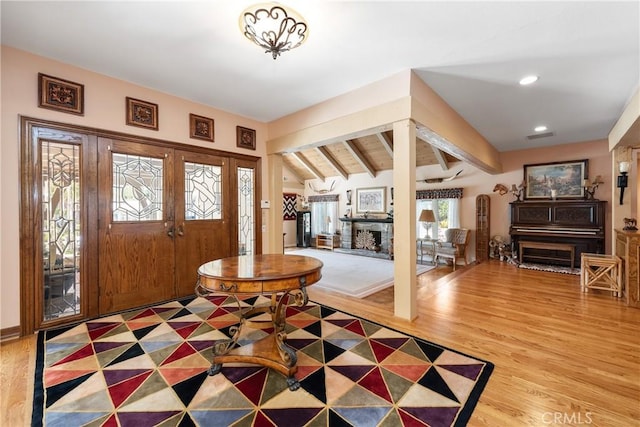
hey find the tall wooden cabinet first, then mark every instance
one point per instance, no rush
(483, 232)
(628, 249)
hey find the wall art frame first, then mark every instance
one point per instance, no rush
(566, 178)
(201, 127)
(59, 94)
(289, 206)
(245, 138)
(143, 114)
(371, 200)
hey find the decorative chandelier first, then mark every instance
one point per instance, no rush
(273, 28)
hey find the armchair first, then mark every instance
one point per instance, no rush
(454, 245)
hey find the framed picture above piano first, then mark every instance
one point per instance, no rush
(561, 180)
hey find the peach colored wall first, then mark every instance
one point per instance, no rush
(104, 109)
(377, 93)
(597, 152)
(429, 109)
(626, 131)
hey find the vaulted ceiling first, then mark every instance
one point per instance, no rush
(368, 154)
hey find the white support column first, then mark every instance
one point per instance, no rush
(272, 217)
(404, 223)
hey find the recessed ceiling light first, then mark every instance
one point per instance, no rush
(540, 128)
(527, 80)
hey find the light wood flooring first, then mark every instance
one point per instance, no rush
(562, 357)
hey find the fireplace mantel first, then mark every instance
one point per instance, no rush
(386, 220)
(382, 227)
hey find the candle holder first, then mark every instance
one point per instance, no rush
(518, 191)
(623, 168)
(590, 187)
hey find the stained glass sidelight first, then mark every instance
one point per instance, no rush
(202, 191)
(61, 233)
(246, 220)
(137, 188)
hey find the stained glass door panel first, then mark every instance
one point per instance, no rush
(246, 210)
(136, 227)
(203, 215)
(61, 229)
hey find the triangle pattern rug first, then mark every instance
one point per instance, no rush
(148, 367)
(354, 275)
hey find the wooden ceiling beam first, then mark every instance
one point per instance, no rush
(442, 160)
(360, 158)
(386, 142)
(295, 168)
(440, 157)
(295, 174)
(328, 157)
(308, 166)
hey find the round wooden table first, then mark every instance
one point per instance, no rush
(284, 278)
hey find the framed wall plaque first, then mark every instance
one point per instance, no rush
(60, 95)
(245, 138)
(201, 127)
(142, 114)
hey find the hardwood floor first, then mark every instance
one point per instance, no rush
(562, 357)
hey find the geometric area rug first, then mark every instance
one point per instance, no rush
(148, 367)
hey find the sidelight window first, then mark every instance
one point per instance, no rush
(61, 229)
(246, 209)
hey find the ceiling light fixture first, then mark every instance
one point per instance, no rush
(540, 128)
(273, 28)
(527, 80)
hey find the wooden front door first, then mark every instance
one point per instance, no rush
(203, 211)
(146, 215)
(136, 224)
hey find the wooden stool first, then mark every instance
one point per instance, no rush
(602, 272)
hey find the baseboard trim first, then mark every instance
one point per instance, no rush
(8, 334)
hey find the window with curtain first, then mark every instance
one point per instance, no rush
(447, 215)
(324, 214)
(445, 205)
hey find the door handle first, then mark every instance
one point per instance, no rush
(170, 232)
(180, 231)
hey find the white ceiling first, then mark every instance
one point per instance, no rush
(471, 53)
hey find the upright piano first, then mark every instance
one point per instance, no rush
(576, 222)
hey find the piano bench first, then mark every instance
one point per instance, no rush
(564, 247)
(602, 272)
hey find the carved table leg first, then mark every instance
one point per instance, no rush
(271, 351)
(222, 347)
